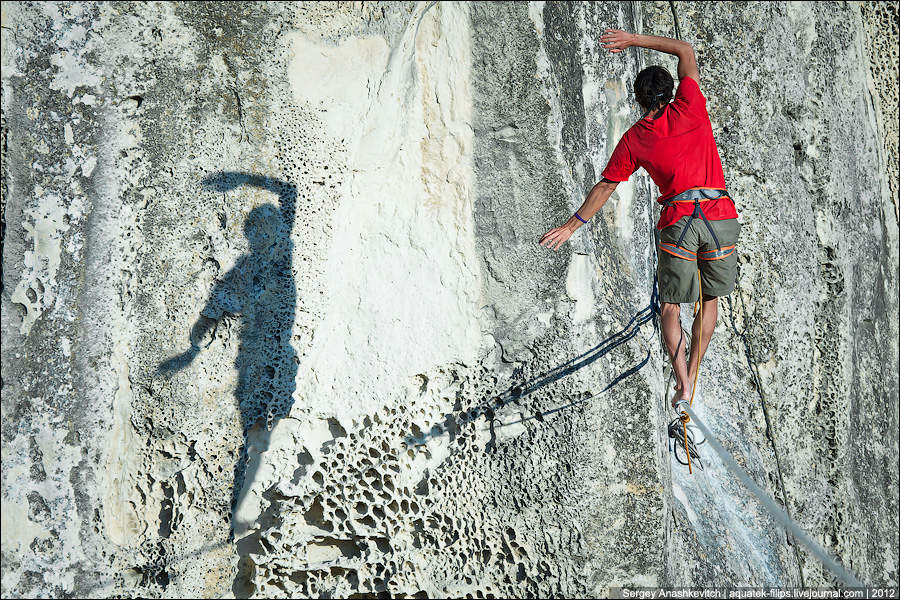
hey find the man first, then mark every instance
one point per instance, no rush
(698, 228)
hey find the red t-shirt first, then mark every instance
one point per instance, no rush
(679, 153)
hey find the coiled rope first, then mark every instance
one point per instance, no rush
(689, 448)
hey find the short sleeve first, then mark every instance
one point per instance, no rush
(621, 164)
(689, 94)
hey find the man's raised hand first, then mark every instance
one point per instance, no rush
(616, 40)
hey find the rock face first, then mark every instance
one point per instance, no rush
(275, 321)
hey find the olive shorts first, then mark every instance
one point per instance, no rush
(676, 271)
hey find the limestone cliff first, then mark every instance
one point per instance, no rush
(275, 320)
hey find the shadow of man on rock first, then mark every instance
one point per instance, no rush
(259, 296)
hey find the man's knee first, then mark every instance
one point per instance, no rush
(669, 308)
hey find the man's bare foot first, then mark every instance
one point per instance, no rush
(681, 395)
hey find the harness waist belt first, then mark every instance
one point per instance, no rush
(696, 196)
(699, 194)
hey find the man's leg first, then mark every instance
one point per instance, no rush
(718, 275)
(671, 326)
(676, 274)
(698, 347)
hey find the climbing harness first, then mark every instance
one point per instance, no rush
(696, 195)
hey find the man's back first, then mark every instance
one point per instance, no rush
(677, 150)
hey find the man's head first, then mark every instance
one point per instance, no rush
(263, 227)
(653, 86)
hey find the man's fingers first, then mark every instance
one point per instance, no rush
(550, 240)
(555, 238)
(557, 241)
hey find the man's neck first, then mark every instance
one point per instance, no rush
(659, 111)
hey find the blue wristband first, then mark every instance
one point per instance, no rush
(579, 217)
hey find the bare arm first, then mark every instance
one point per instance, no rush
(616, 40)
(595, 200)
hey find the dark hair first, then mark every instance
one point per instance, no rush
(652, 86)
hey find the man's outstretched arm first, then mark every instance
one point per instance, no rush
(595, 200)
(616, 40)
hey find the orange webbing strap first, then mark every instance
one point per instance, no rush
(718, 254)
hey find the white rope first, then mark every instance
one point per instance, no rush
(777, 513)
